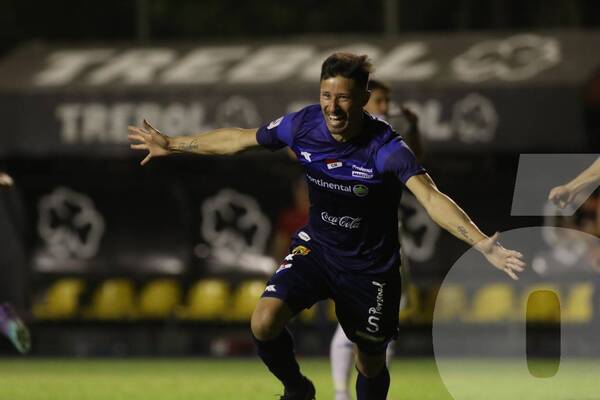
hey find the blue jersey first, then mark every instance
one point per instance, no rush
(354, 187)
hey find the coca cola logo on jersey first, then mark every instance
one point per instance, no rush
(345, 221)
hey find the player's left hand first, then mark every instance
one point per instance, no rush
(5, 180)
(509, 261)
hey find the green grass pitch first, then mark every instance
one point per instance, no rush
(248, 379)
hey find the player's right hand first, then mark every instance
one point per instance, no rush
(5, 180)
(561, 196)
(148, 138)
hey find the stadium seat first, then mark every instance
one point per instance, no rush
(411, 311)
(541, 303)
(61, 300)
(451, 303)
(207, 299)
(245, 299)
(308, 315)
(579, 307)
(159, 299)
(330, 307)
(113, 299)
(492, 303)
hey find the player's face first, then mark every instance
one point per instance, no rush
(379, 103)
(342, 102)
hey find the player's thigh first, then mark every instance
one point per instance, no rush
(367, 307)
(300, 281)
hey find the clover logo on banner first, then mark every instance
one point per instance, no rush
(69, 224)
(515, 58)
(233, 224)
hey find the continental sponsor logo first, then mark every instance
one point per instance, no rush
(359, 190)
(329, 185)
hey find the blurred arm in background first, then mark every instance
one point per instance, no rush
(224, 141)
(412, 135)
(564, 194)
(5, 180)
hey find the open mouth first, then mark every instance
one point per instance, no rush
(336, 121)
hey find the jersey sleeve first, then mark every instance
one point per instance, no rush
(396, 158)
(277, 134)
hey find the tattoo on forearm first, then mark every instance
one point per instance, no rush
(192, 145)
(463, 231)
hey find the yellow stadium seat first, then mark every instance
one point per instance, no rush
(308, 315)
(410, 312)
(245, 299)
(330, 308)
(492, 303)
(61, 300)
(541, 303)
(113, 299)
(207, 299)
(579, 306)
(159, 298)
(451, 303)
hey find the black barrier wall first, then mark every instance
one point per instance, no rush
(473, 92)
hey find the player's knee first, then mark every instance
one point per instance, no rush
(263, 325)
(370, 365)
(266, 322)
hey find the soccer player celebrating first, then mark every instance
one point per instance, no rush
(565, 194)
(356, 167)
(341, 353)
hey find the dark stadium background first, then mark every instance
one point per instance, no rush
(138, 290)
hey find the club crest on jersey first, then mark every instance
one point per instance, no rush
(333, 164)
(300, 250)
(275, 123)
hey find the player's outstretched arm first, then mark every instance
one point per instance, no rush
(5, 180)
(223, 141)
(564, 194)
(446, 213)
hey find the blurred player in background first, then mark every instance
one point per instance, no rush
(341, 351)
(356, 168)
(291, 219)
(589, 213)
(10, 324)
(565, 194)
(5, 180)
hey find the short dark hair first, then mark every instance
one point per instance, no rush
(349, 66)
(374, 84)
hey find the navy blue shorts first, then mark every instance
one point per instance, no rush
(366, 305)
